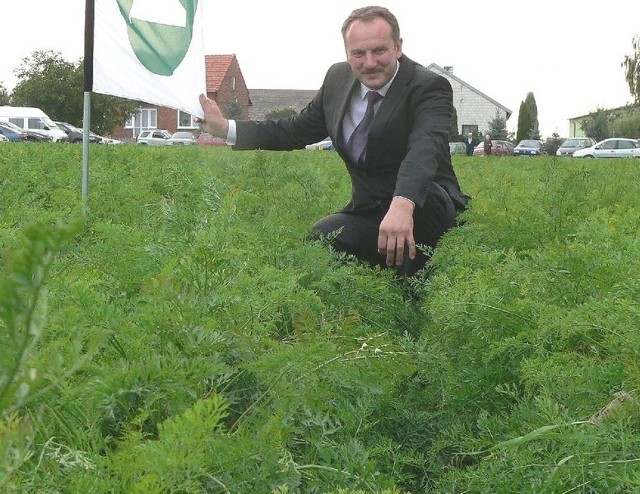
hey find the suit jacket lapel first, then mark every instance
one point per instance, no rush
(395, 93)
(343, 105)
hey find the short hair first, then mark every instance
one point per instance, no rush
(368, 14)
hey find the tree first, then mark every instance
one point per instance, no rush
(631, 65)
(528, 127)
(233, 110)
(552, 144)
(4, 95)
(596, 125)
(282, 113)
(498, 127)
(453, 132)
(626, 125)
(48, 82)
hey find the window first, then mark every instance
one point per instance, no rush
(469, 128)
(35, 123)
(185, 121)
(144, 118)
(626, 145)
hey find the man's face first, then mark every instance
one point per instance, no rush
(371, 52)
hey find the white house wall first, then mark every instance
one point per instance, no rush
(472, 106)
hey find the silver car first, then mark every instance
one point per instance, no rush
(616, 147)
(155, 137)
(182, 138)
(571, 145)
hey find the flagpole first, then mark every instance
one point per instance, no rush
(88, 88)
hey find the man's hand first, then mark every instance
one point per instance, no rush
(396, 231)
(214, 122)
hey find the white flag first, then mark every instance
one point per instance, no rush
(151, 51)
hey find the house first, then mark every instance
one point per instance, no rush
(474, 108)
(629, 113)
(265, 101)
(225, 85)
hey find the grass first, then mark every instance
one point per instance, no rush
(184, 336)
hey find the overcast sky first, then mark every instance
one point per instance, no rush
(566, 52)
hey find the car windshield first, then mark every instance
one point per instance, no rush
(72, 128)
(574, 143)
(11, 126)
(49, 123)
(529, 144)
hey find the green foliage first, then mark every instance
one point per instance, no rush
(631, 65)
(4, 95)
(198, 342)
(24, 371)
(282, 113)
(498, 127)
(48, 82)
(551, 144)
(626, 123)
(233, 110)
(597, 125)
(453, 131)
(528, 127)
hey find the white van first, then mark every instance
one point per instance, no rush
(32, 118)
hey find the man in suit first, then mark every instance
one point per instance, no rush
(469, 144)
(405, 194)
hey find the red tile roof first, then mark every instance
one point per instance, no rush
(216, 66)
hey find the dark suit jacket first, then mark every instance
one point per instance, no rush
(408, 141)
(469, 146)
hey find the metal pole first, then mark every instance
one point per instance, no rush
(89, 15)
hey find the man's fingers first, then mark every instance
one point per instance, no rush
(396, 249)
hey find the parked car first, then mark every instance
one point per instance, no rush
(108, 140)
(182, 139)
(16, 134)
(456, 148)
(157, 137)
(529, 147)
(326, 145)
(616, 147)
(206, 139)
(571, 145)
(12, 132)
(498, 148)
(75, 134)
(40, 136)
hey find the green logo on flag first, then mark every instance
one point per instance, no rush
(160, 31)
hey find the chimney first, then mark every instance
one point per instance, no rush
(448, 68)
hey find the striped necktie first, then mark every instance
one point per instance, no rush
(357, 145)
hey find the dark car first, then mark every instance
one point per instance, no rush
(16, 134)
(74, 133)
(529, 147)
